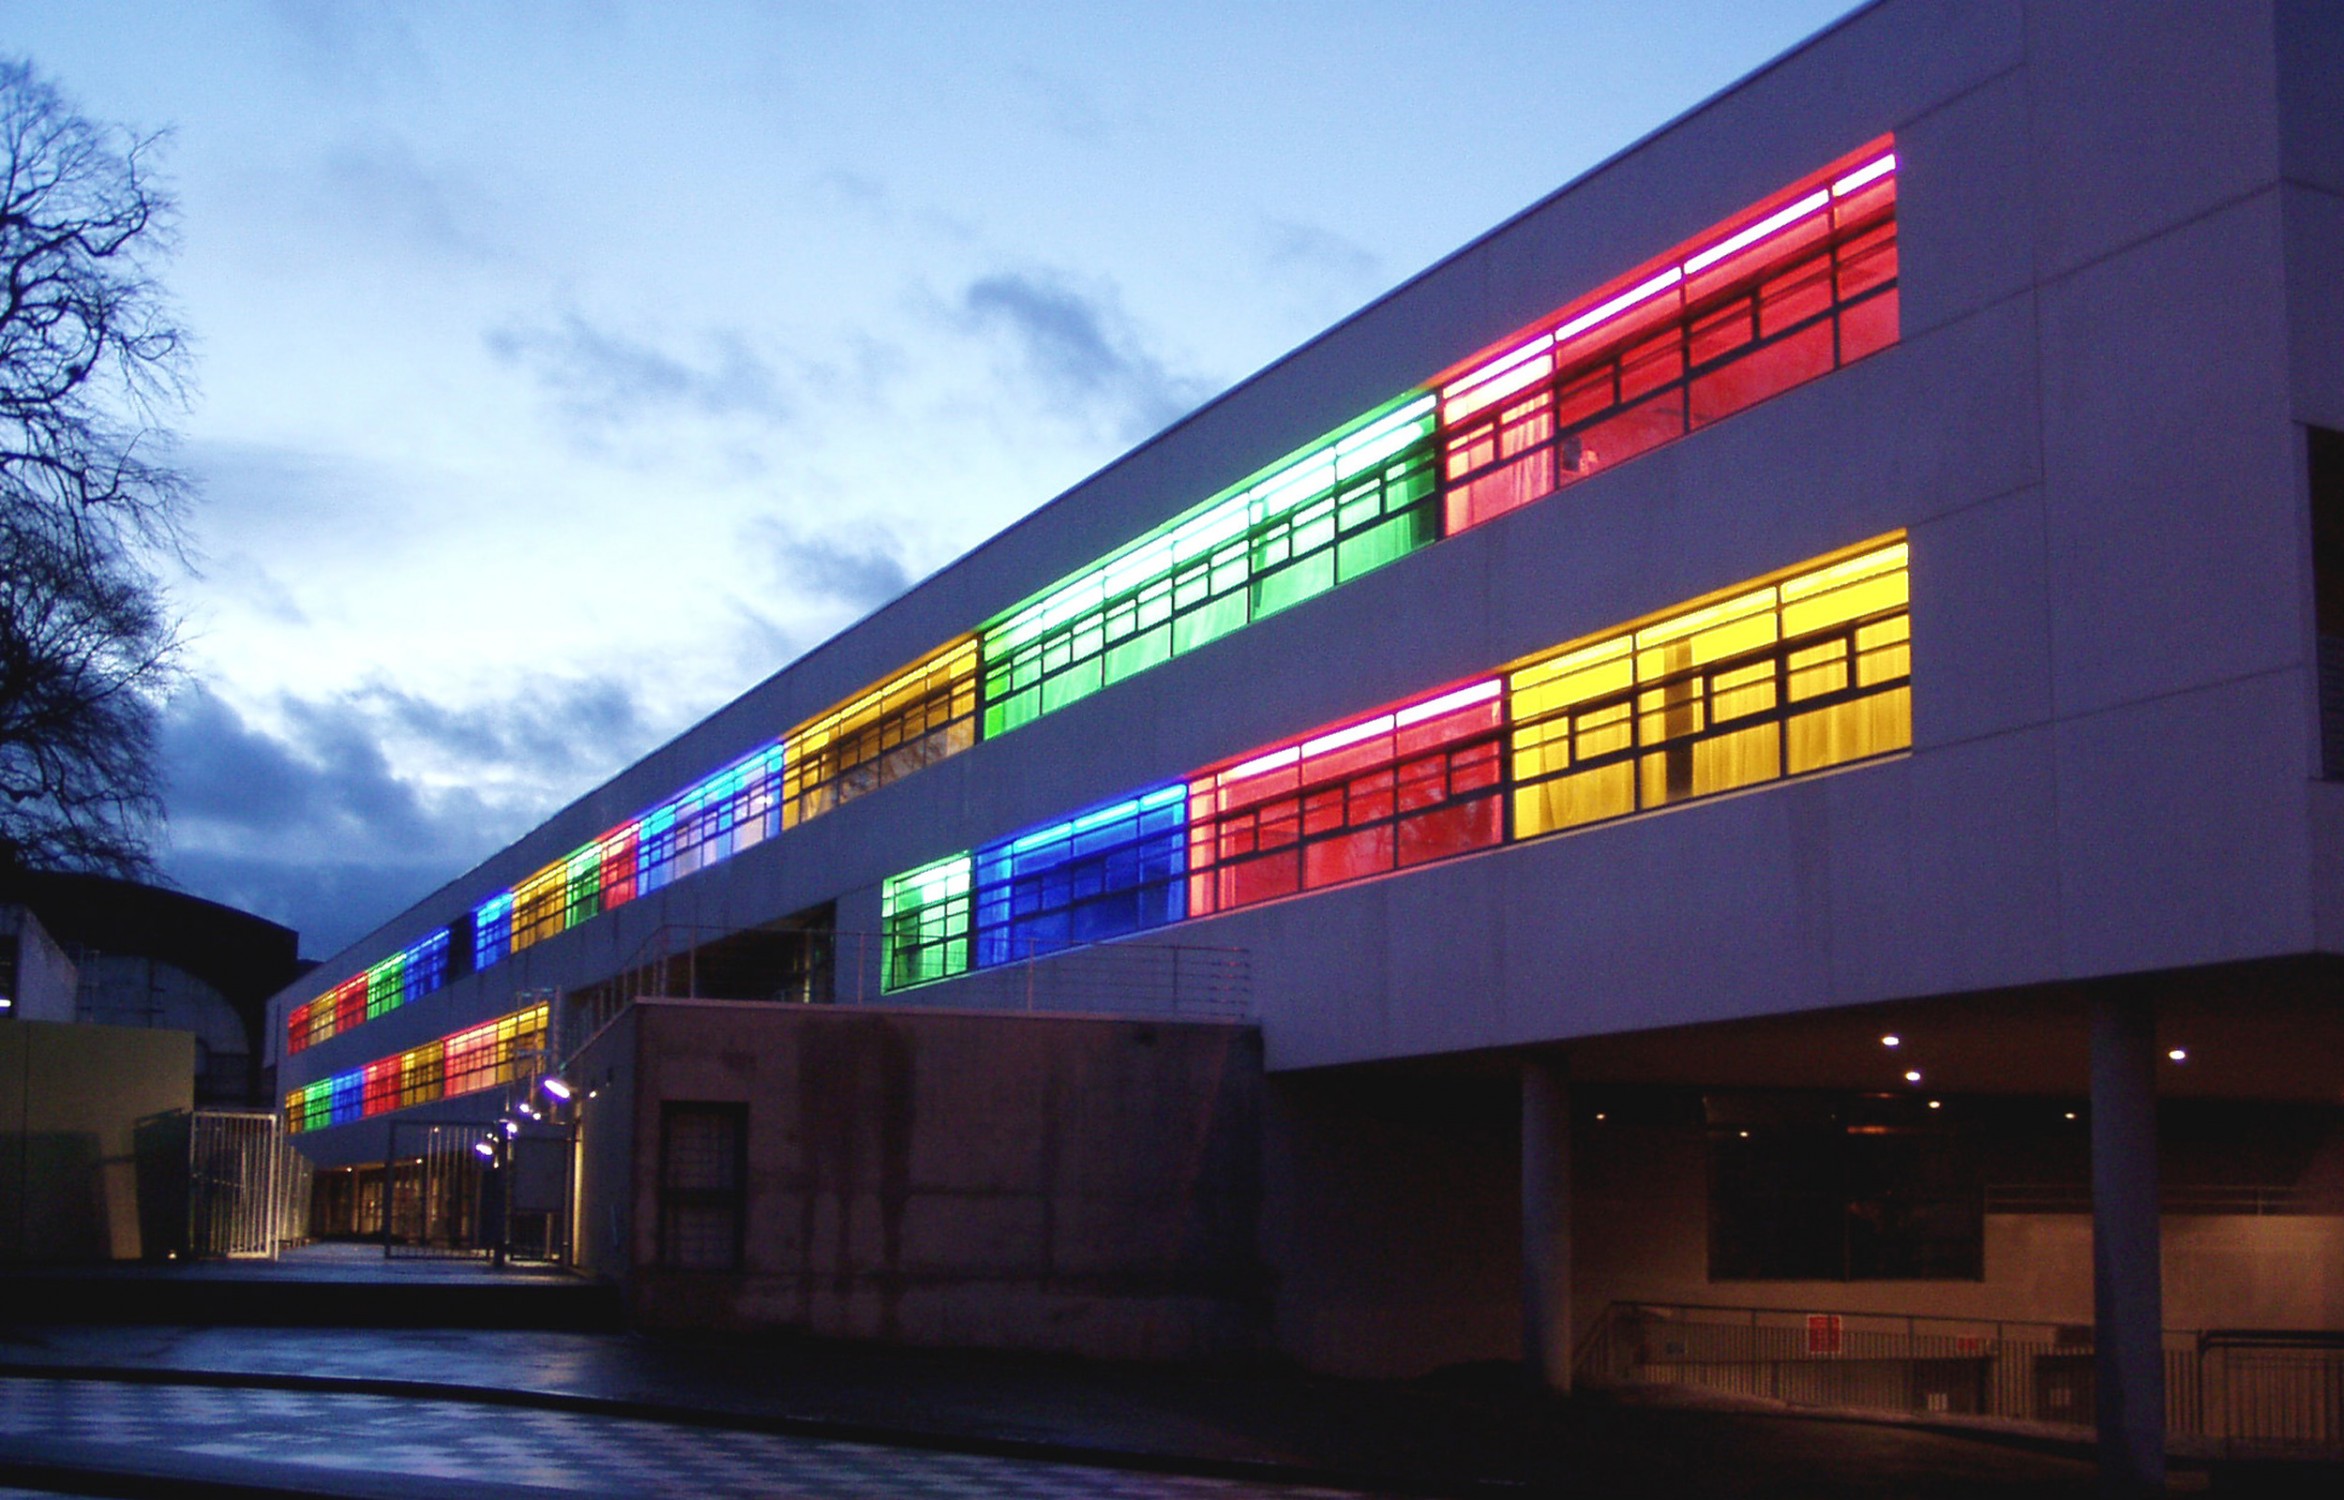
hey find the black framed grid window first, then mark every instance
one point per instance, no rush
(703, 1185)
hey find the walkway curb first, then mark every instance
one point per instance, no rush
(1038, 1450)
(121, 1473)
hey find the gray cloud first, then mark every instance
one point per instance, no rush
(1307, 251)
(862, 573)
(315, 825)
(1081, 350)
(382, 185)
(347, 44)
(598, 377)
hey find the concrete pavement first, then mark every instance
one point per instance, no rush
(1264, 1426)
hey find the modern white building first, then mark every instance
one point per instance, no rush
(1758, 737)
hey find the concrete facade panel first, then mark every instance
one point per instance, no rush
(2145, 116)
(1985, 898)
(1982, 621)
(2220, 868)
(2315, 303)
(2311, 107)
(1965, 205)
(2170, 473)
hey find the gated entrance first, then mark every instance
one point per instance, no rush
(477, 1189)
(245, 1185)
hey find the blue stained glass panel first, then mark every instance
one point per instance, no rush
(1112, 870)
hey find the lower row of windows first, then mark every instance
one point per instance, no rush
(485, 1056)
(1778, 678)
(1788, 675)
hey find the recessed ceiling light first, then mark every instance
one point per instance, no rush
(2071, 1114)
(2179, 1054)
(1912, 1075)
(1892, 1040)
(1937, 1104)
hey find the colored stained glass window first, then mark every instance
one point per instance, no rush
(582, 886)
(426, 966)
(1771, 680)
(1345, 505)
(496, 1052)
(420, 1073)
(1401, 788)
(492, 930)
(541, 905)
(386, 986)
(713, 819)
(924, 922)
(1796, 288)
(380, 1093)
(914, 719)
(1103, 873)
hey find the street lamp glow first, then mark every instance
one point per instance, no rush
(555, 1087)
(487, 1151)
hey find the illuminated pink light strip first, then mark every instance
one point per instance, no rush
(1864, 176)
(1259, 764)
(1501, 364)
(1464, 697)
(1693, 265)
(1367, 729)
(1352, 734)
(1492, 391)
(1765, 228)
(1620, 304)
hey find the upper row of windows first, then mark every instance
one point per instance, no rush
(1790, 289)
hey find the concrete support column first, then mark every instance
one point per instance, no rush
(1547, 1339)
(2127, 1282)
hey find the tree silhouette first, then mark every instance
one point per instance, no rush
(92, 361)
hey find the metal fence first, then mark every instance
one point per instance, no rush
(1176, 981)
(238, 1182)
(477, 1190)
(2245, 1391)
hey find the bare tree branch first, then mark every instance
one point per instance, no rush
(92, 364)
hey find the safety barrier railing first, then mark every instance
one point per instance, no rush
(1180, 981)
(1174, 981)
(2243, 1390)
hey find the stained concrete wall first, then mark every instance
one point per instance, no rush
(71, 1100)
(937, 1178)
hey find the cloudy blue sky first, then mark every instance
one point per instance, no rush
(567, 368)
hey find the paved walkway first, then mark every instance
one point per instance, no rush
(357, 1444)
(1264, 1428)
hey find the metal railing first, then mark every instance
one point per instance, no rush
(2245, 1391)
(1123, 977)
(685, 961)
(2273, 1391)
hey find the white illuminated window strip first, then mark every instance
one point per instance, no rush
(1458, 390)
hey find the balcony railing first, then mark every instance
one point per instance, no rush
(1170, 981)
(2234, 1391)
